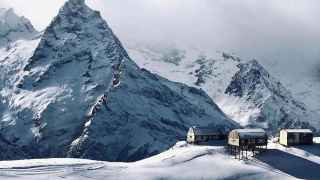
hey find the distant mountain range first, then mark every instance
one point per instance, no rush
(243, 89)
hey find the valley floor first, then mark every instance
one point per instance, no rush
(182, 161)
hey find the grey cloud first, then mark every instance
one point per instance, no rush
(272, 29)
(283, 31)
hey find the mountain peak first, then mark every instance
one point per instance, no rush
(4, 12)
(77, 2)
(14, 27)
(278, 108)
(87, 95)
(77, 23)
(252, 75)
(75, 6)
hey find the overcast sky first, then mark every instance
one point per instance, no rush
(279, 30)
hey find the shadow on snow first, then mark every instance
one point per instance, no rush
(291, 164)
(314, 149)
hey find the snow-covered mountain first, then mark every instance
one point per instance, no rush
(243, 89)
(278, 109)
(75, 92)
(301, 78)
(14, 27)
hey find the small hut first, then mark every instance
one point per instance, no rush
(289, 137)
(243, 140)
(203, 134)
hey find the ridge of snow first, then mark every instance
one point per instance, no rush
(182, 161)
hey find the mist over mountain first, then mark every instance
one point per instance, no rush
(244, 89)
(81, 98)
(282, 35)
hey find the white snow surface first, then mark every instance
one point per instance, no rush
(183, 161)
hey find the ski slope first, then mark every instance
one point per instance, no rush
(182, 161)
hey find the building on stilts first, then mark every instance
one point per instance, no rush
(243, 141)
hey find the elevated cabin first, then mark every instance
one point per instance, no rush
(290, 137)
(248, 137)
(240, 141)
(203, 134)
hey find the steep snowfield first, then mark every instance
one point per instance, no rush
(12, 61)
(212, 72)
(179, 162)
(269, 104)
(74, 92)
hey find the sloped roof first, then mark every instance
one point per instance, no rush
(298, 130)
(205, 130)
(251, 133)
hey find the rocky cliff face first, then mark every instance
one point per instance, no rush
(80, 95)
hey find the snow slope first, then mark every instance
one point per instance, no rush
(76, 93)
(271, 105)
(179, 162)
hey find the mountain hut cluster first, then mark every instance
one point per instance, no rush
(242, 141)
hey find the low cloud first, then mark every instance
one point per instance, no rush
(274, 30)
(270, 30)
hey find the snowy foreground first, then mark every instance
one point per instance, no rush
(180, 162)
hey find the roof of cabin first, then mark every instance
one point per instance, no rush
(251, 133)
(204, 130)
(298, 130)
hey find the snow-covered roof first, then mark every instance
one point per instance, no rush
(205, 130)
(247, 133)
(298, 130)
